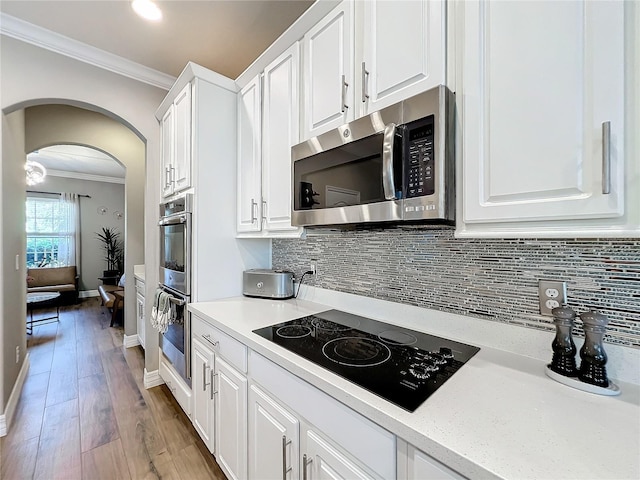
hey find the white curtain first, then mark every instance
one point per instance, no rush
(69, 247)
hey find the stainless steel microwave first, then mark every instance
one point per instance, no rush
(394, 165)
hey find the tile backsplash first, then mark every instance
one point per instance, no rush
(490, 279)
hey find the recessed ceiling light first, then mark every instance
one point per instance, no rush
(147, 10)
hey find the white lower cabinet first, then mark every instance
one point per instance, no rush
(323, 461)
(274, 438)
(202, 377)
(231, 420)
(218, 363)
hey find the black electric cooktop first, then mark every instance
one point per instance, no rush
(402, 366)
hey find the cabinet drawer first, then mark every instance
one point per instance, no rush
(224, 345)
(179, 389)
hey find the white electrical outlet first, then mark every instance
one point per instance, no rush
(313, 267)
(552, 294)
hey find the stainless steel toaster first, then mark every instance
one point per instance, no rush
(266, 283)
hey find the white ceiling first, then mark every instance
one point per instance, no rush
(77, 160)
(225, 36)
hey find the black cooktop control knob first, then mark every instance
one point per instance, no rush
(446, 353)
(438, 359)
(423, 371)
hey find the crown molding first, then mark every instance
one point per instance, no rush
(27, 32)
(84, 176)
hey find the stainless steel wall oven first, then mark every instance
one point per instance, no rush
(175, 280)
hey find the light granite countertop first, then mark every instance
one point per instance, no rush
(499, 416)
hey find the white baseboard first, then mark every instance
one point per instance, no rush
(152, 379)
(7, 416)
(130, 340)
(88, 293)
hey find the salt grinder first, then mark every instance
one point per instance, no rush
(564, 350)
(592, 367)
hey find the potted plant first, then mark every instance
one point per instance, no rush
(113, 254)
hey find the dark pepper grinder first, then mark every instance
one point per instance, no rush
(592, 367)
(564, 350)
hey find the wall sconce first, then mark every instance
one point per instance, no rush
(36, 173)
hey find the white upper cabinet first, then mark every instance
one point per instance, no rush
(268, 126)
(365, 56)
(167, 151)
(280, 132)
(328, 72)
(176, 144)
(249, 202)
(403, 51)
(542, 107)
(181, 173)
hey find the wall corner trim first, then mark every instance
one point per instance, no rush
(152, 379)
(7, 416)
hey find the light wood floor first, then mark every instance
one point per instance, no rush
(84, 413)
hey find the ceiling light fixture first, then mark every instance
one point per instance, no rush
(147, 10)
(35, 172)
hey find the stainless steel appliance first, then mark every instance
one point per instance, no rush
(393, 165)
(176, 341)
(267, 283)
(400, 365)
(175, 243)
(175, 280)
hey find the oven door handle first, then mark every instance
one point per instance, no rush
(173, 220)
(177, 301)
(387, 162)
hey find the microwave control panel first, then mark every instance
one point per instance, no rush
(419, 178)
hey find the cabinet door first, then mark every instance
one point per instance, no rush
(249, 203)
(322, 461)
(231, 420)
(280, 133)
(403, 51)
(274, 439)
(328, 72)
(181, 173)
(203, 403)
(540, 79)
(140, 318)
(167, 150)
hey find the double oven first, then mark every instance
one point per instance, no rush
(175, 280)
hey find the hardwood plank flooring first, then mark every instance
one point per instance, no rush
(85, 414)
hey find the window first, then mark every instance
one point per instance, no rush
(47, 232)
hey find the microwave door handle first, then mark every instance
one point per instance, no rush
(387, 162)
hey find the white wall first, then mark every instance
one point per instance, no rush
(33, 76)
(101, 194)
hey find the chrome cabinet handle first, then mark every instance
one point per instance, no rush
(345, 85)
(254, 205)
(387, 162)
(365, 81)
(213, 383)
(167, 177)
(305, 462)
(207, 337)
(264, 210)
(173, 174)
(204, 376)
(285, 470)
(606, 157)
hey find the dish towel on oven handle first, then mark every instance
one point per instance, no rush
(162, 313)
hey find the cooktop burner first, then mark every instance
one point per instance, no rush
(401, 365)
